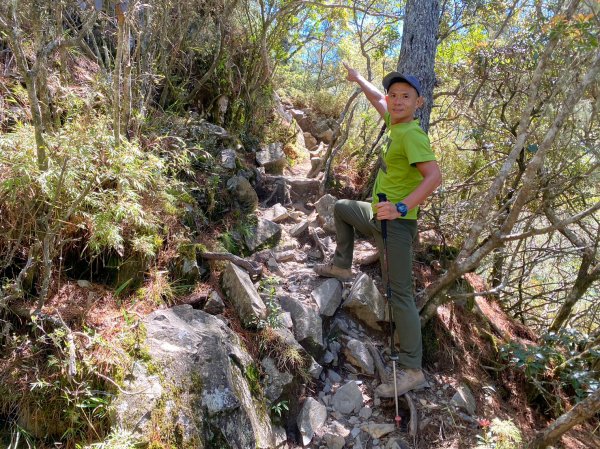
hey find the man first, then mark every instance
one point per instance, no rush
(409, 173)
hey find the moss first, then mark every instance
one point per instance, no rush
(166, 432)
(252, 375)
(196, 384)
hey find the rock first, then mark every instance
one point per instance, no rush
(280, 437)
(463, 398)
(307, 322)
(298, 189)
(263, 233)
(311, 417)
(272, 158)
(286, 319)
(299, 229)
(357, 353)
(300, 144)
(204, 129)
(377, 430)
(365, 302)
(397, 443)
(310, 141)
(206, 390)
(315, 369)
(348, 399)
(280, 109)
(328, 296)
(133, 412)
(300, 257)
(302, 119)
(328, 357)
(333, 376)
(324, 129)
(365, 412)
(228, 158)
(84, 284)
(275, 380)
(334, 441)
(276, 213)
(337, 428)
(214, 305)
(285, 256)
(244, 195)
(324, 208)
(286, 243)
(357, 443)
(243, 296)
(316, 164)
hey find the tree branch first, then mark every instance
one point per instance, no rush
(559, 225)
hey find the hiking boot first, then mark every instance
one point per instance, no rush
(407, 379)
(329, 270)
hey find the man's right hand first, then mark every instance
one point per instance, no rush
(353, 74)
(376, 98)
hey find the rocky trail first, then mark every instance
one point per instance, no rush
(347, 324)
(278, 357)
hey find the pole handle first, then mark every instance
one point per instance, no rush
(382, 199)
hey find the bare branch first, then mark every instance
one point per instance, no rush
(560, 225)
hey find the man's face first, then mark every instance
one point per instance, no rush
(402, 102)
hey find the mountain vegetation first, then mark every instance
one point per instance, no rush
(115, 201)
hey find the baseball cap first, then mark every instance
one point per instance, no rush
(395, 77)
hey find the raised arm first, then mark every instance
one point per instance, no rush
(375, 97)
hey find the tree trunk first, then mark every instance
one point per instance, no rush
(117, 75)
(419, 44)
(583, 282)
(582, 411)
(126, 109)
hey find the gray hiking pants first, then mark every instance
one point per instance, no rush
(350, 215)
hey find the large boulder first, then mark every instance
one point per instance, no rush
(272, 158)
(244, 195)
(311, 418)
(302, 118)
(358, 354)
(203, 130)
(206, 396)
(275, 380)
(308, 327)
(264, 233)
(365, 302)
(328, 296)
(243, 296)
(324, 129)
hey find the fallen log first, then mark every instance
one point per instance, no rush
(254, 269)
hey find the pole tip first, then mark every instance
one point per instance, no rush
(397, 419)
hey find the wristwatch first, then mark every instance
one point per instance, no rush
(402, 209)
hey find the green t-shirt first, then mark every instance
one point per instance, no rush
(406, 145)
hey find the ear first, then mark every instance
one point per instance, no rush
(420, 102)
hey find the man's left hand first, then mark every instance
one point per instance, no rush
(386, 211)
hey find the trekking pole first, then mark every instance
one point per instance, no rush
(393, 355)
